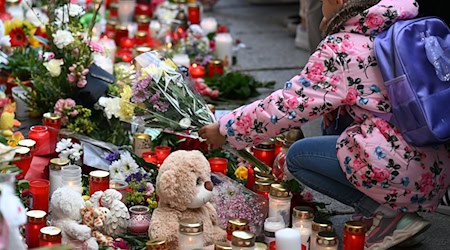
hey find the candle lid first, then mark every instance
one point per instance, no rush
(221, 245)
(269, 144)
(263, 178)
(36, 216)
(261, 173)
(279, 190)
(327, 239)
(99, 175)
(142, 49)
(23, 151)
(303, 212)
(141, 34)
(157, 245)
(292, 136)
(141, 136)
(121, 27)
(112, 22)
(243, 239)
(355, 227)
(50, 233)
(59, 162)
(12, 2)
(52, 116)
(216, 62)
(263, 186)
(191, 226)
(143, 19)
(260, 246)
(29, 143)
(320, 225)
(237, 225)
(114, 6)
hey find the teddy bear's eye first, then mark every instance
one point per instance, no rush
(199, 181)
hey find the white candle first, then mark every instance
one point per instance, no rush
(209, 25)
(190, 234)
(326, 241)
(224, 48)
(71, 177)
(181, 60)
(55, 180)
(288, 239)
(126, 11)
(305, 236)
(243, 241)
(271, 225)
(302, 220)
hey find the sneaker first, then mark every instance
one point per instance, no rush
(301, 38)
(389, 232)
(292, 27)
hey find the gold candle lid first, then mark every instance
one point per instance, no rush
(50, 233)
(111, 22)
(191, 226)
(114, 6)
(320, 225)
(279, 190)
(327, 239)
(52, 116)
(264, 178)
(263, 186)
(12, 2)
(237, 225)
(143, 19)
(98, 175)
(216, 62)
(222, 246)
(141, 34)
(355, 227)
(22, 151)
(243, 239)
(60, 162)
(142, 136)
(260, 246)
(143, 49)
(261, 173)
(36, 216)
(121, 27)
(303, 213)
(157, 245)
(28, 143)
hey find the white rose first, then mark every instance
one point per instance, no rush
(54, 67)
(185, 123)
(75, 10)
(63, 38)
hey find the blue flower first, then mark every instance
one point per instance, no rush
(363, 101)
(416, 199)
(385, 184)
(367, 185)
(405, 181)
(292, 115)
(380, 153)
(112, 156)
(274, 119)
(288, 85)
(305, 82)
(375, 88)
(230, 130)
(348, 169)
(347, 160)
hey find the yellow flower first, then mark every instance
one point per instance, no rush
(241, 173)
(33, 42)
(28, 27)
(126, 108)
(15, 138)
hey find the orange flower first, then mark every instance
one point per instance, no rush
(18, 37)
(15, 138)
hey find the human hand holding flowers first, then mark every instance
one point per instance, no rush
(212, 135)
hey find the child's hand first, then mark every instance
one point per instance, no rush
(212, 135)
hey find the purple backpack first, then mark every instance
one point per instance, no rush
(414, 59)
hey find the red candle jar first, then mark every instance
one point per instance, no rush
(354, 235)
(194, 13)
(150, 157)
(143, 9)
(28, 143)
(110, 30)
(121, 32)
(52, 120)
(127, 43)
(236, 225)
(215, 67)
(125, 55)
(197, 71)
(41, 135)
(218, 165)
(143, 23)
(141, 38)
(50, 236)
(113, 11)
(162, 152)
(262, 187)
(279, 145)
(39, 190)
(265, 152)
(24, 161)
(272, 245)
(36, 219)
(98, 181)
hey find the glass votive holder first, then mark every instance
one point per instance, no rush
(98, 181)
(120, 186)
(139, 220)
(218, 165)
(71, 177)
(39, 194)
(190, 234)
(162, 152)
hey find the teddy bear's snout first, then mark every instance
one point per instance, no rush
(209, 186)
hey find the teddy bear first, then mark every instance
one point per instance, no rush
(94, 218)
(66, 205)
(184, 188)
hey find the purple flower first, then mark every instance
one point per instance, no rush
(161, 106)
(112, 156)
(139, 87)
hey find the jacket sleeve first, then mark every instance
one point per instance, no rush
(318, 89)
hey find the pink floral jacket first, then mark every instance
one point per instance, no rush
(343, 72)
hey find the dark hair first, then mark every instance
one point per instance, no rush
(434, 8)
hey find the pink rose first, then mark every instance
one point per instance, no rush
(335, 79)
(426, 183)
(308, 197)
(332, 46)
(316, 72)
(382, 125)
(380, 174)
(351, 96)
(96, 47)
(214, 93)
(374, 21)
(346, 45)
(292, 102)
(358, 164)
(243, 124)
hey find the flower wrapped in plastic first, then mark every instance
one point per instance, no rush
(165, 100)
(233, 200)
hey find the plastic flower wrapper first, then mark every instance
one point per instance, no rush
(232, 200)
(165, 100)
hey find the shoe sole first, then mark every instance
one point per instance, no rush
(401, 235)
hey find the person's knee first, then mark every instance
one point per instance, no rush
(293, 157)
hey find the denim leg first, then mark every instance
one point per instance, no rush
(337, 126)
(313, 161)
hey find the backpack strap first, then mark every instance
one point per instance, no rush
(385, 116)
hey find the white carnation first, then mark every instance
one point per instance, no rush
(61, 16)
(63, 38)
(63, 144)
(75, 10)
(111, 106)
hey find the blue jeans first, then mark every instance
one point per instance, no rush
(313, 161)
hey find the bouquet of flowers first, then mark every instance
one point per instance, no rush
(69, 150)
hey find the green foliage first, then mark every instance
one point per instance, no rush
(237, 85)
(21, 63)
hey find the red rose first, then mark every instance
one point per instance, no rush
(222, 29)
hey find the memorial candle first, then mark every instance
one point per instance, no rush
(28, 143)
(224, 48)
(243, 240)
(319, 225)
(24, 159)
(39, 190)
(55, 177)
(215, 67)
(50, 236)
(326, 240)
(162, 152)
(98, 181)
(236, 225)
(354, 235)
(150, 157)
(218, 165)
(157, 245)
(41, 135)
(139, 220)
(280, 202)
(51, 120)
(262, 187)
(302, 220)
(220, 245)
(126, 11)
(36, 219)
(194, 12)
(190, 234)
(288, 239)
(265, 152)
(197, 71)
(271, 225)
(120, 186)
